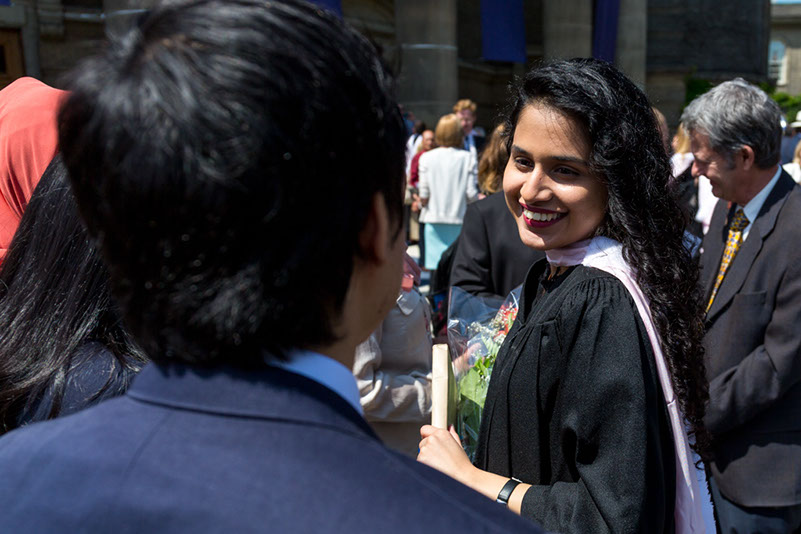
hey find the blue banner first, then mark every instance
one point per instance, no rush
(5, 2)
(604, 37)
(503, 31)
(335, 6)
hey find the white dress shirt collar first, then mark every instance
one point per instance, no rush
(754, 206)
(470, 141)
(325, 371)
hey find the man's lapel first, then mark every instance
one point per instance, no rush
(744, 259)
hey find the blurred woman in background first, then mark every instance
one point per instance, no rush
(492, 162)
(682, 157)
(416, 228)
(447, 184)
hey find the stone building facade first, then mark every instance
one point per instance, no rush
(713, 40)
(784, 58)
(440, 54)
(435, 46)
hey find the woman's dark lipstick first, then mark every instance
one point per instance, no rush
(540, 217)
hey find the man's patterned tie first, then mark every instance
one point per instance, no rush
(733, 243)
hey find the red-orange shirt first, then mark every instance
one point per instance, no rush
(414, 169)
(28, 142)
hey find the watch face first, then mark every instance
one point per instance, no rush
(506, 491)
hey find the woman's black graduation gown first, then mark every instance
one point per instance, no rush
(575, 408)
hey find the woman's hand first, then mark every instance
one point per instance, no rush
(411, 269)
(417, 205)
(443, 451)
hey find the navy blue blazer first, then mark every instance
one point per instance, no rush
(225, 450)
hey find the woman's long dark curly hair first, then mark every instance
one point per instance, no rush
(628, 155)
(54, 298)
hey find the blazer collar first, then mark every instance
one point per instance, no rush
(741, 264)
(265, 393)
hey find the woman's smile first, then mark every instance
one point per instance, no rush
(540, 218)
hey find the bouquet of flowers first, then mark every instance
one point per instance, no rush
(477, 327)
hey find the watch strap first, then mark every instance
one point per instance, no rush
(506, 491)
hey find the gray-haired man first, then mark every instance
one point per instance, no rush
(751, 269)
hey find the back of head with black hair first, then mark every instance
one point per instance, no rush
(627, 153)
(54, 298)
(226, 154)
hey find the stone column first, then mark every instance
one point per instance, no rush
(120, 14)
(428, 77)
(51, 18)
(666, 90)
(29, 34)
(567, 28)
(632, 30)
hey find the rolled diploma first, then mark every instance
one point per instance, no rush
(441, 386)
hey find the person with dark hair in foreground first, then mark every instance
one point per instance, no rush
(62, 343)
(204, 148)
(583, 427)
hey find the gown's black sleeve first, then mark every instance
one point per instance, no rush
(608, 426)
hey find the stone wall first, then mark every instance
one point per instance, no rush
(786, 27)
(435, 47)
(708, 39)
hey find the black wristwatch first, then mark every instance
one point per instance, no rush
(506, 491)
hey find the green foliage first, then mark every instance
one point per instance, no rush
(484, 343)
(472, 394)
(695, 87)
(768, 87)
(790, 104)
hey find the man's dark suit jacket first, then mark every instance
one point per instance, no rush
(490, 258)
(188, 450)
(480, 141)
(753, 353)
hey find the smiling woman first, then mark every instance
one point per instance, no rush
(585, 416)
